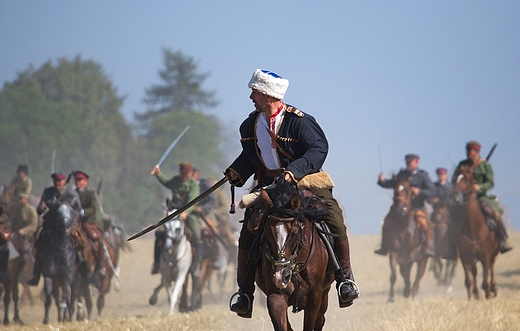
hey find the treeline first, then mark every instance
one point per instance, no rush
(72, 109)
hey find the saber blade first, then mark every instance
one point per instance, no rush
(169, 149)
(180, 210)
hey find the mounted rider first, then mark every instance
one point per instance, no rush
(24, 223)
(443, 189)
(91, 222)
(21, 183)
(484, 181)
(422, 190)
(280, 142)
(52, 198)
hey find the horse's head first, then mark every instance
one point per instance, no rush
(66, 218)
(283, 225)
(402, 197)
(463, 184)
(174, 231)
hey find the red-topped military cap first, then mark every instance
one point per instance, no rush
(473, 144)
(79, 175)
(58, 176)
(441, 171)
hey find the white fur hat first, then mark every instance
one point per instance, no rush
(267, 82)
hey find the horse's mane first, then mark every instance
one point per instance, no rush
(311, 206)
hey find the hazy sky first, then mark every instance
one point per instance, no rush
(399, 76)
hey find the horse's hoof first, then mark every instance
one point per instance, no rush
(6, 321)
(153, 300)
(18, 320)
(117, 286)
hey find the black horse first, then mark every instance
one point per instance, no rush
(59, 262)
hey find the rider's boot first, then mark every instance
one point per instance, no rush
(502, 237)
(37, 269)
(428, 248)
(347, 288)
(383, 249)
(246, 286)
(156, 255)
(101, 255)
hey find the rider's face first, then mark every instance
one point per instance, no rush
(59, 183)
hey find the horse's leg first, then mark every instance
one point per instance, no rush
(153, 298)
(16, 301)
(277, 308)
(183, 302)
(7, 302)
(87, 295)
(474, 271)
(47, 287)
(320, 319)
(405, 269)
(174, 294)
(312, 310)
(393, 276)
(421, 270)
(493, 284)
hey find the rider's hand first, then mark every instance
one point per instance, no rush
(476, 187)
(155, 170)
(382, 177)
(183, 216)
(415, 190)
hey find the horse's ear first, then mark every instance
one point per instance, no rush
(266, 199)
(295, 202)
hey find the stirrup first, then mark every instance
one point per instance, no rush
(355, 287)
(249, 313)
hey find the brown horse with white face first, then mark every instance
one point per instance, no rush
(294, 260)
(475, 240)
(404, 241)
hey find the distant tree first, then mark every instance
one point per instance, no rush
(181, 88)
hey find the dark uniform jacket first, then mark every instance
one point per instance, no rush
(444, 193)
(419, 179)
(53, 198)
(299, 135)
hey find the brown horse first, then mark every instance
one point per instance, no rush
(294, 260)
(443, 271)
(102, 276)
(475, 240)
(404, 241)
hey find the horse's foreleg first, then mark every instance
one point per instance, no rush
(7, 303)
(174, 294)
(312, 310)
(476, 293)
(153, 298)
(421, 270)
(277, 308)
(393, 277)
(405, 269)
(48, 299)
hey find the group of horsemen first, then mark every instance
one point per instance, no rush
(441, 193)
(21, 219)
(282, 143)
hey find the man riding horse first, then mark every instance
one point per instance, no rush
(91, 221)
(280, 142)
(52, 198)
(422, 189)
(485, 180)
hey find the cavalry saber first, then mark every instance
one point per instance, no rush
(180, 210)
(169, 149)
(491, 152)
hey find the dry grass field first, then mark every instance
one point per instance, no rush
(432, 309)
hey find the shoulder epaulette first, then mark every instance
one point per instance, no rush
(294, 110)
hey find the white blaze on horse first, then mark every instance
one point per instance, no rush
(175, 262)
